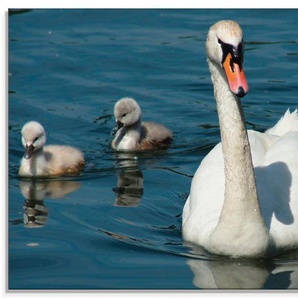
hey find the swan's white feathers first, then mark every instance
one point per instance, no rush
(289, 122)
(270, 223)
(227, 31)
(275, 161)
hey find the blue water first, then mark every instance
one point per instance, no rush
(118, 224)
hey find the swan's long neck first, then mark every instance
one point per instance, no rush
(240, 185)
(241, 214)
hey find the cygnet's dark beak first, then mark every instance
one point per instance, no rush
(29, 151)
(117, 126)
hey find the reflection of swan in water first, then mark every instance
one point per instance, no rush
(226, 273)
(35, 191)
(129, 188)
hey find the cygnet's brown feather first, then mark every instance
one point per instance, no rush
(64, 159)
(155, 136)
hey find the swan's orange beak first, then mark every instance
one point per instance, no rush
(236, 77)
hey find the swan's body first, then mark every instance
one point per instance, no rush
(244, 196)
(52, 160)
(132, 134)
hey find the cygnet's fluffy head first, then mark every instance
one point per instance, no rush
(127, 112)
(33, 137)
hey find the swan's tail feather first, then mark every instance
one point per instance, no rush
(288, 122)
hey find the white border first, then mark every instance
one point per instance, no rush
(151, 4)
(4, 124)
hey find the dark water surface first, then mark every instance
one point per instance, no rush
(118, 224)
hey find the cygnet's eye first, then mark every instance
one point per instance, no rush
(35, 140)
(124, 115)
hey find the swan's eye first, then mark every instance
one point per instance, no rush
(124, 115)
(235, 51)
(35, 139)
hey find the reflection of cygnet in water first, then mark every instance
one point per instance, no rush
(35, 214)
(35, 191)
(244, 274)
(130, 187)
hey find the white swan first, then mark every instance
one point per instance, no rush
(244, 196)
(132, 134)
(40, 160)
